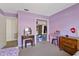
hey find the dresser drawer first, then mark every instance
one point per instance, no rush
(69, 41)
(69, 50)
(69, 45)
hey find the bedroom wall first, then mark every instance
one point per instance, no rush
(64, 20)
(2, 31)
(26, 19)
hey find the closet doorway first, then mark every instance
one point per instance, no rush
(11, 32)
(41, 28)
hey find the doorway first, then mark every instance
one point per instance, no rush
(41, 28)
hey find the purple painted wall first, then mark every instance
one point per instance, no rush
(64, 20)
(26, 19)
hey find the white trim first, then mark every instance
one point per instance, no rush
(47, 28)
(35, 32)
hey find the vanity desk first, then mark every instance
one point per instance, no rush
(69, 44)
(27, 39)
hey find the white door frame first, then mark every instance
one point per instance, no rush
(47, 28)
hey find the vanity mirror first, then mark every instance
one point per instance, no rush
(27, 31)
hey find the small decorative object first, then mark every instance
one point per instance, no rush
(67, 35)
(73, 30)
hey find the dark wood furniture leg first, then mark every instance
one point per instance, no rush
(31, 43)
(22, 44)
(25, 44)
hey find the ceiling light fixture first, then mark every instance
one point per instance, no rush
(26, 9)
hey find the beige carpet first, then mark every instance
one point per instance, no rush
(43, 49)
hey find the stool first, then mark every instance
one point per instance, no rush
(28, 41)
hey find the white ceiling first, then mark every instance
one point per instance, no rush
(46, 9)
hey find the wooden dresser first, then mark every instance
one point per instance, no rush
(68, 44)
